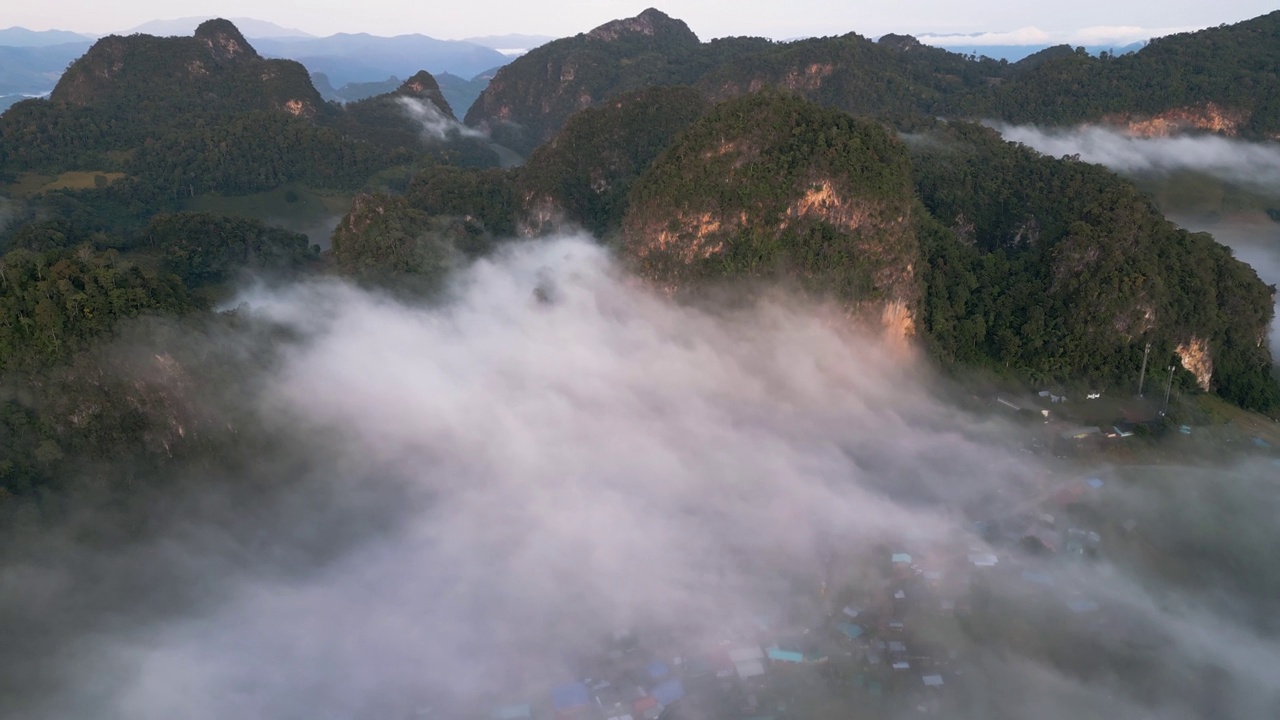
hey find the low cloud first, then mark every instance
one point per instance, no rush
(435, 124)
(556, 453)
(1031, 36)
(1021, 36)
(1255, 165)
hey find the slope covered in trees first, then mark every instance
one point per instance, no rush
(1056, 268)
(773, 186)
(1231, 68)
(585, 173)
(1226, 74)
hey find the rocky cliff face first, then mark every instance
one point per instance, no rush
(1209, 117)
(773, 187)
(214, 70)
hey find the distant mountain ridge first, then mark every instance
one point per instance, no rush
(360, 57)
(251, 28)
(22, 37)
(1221, 79)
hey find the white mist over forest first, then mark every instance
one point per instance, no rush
(555, 454)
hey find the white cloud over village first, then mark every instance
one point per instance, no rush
(501, 481)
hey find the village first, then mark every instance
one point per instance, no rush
(894, 629)
(897, 638)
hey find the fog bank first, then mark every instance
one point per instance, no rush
(555, 454)
(1255, 165)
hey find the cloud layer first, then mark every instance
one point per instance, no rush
(553, 454)
(1253, 165)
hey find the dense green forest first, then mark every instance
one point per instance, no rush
(1055, 268)
(1232, 67)
(587, 170)
(1039, 269)
(773, 186)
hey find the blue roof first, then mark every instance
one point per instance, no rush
(668, 691)
(658, 669)
(851, 630)
(1095, 483)
(1261, 443)
(777, 653)
(901, 558)
(512, 712)
(570, 695)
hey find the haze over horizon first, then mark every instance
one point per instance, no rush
(1089, 22)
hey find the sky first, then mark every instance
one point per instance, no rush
(1083, 21)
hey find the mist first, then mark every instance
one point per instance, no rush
(437, 126)
(1204, 183)
(555, 454)
(1255, 165)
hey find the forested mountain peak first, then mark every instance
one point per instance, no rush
(214, 70)
(652, 22)
(423, 86)
(900, 42)
(771, 186)
(224, 40)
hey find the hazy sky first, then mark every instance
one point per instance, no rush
(1105, 20)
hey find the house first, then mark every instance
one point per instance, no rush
(851, 631)
(1122, 429)
(571, 698)
(777, 654)
(748, 661)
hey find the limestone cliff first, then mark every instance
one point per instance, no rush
(1209, 117)
(772, 187)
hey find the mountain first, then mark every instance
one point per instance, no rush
(1016, 53)
(458, 92)
(1221, 79)
(351, 92)
(361, 57)
(771, 186)
(1058, 268)
(584, 175)
(512, 43)
(178, 117)
(34, 70)
(141, 72)
(529, 100)
(22, 37)
(255, 29)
